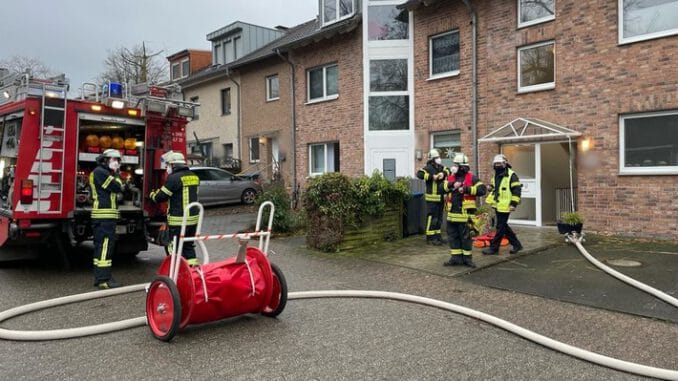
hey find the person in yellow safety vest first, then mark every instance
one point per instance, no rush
(463, 186)
(434, 174)
(106, 185)
(180, 189)
(504, 197)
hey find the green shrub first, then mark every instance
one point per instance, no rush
(572, 218)
(282, 217)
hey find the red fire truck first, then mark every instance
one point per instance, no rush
(49, 144)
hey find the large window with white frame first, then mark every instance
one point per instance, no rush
(322, 83)
(272, 87)
(647, 19)
(648, 143)
(323, 158)
(447, 143)
(536, 67)
(387, 22)
(443, 54)
(335, 10)
(389, 105)
(532, 12)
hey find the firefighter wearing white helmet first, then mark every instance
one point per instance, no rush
(434, 174)
(105, 183)
(504, 197)
(462, 187)
(179, 190)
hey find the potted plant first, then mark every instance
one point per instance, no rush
(570, 222)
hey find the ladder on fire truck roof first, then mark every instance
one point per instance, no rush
(52, 144)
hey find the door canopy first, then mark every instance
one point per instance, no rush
(529, 130)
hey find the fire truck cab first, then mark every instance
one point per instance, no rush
(49, 144)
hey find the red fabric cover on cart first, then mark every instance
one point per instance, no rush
(229, 288)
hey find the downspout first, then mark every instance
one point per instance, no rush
(293, 158)
(474, 84)
(228, 74)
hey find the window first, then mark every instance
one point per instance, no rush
(196, 109)
(444, 55)
(185, 68)
(217, 54)
(323, 158)
(532, 12)
(322, 83)
(225, 101)
(646, 19)
(272, 88)
(254, 150)
(228, 51)
(176, 71)
(237, 47)
(536, 67)
(649, 143)
(447, 144)
(329, 10)
(389, 104)
(386, 22)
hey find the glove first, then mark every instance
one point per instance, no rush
(152, 195)
(512, 208)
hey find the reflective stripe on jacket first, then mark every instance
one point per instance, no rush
(105, 188)
(434, 188)
(507, 193)
(458, 210)
(180, 189)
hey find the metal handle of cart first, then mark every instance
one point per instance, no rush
(177, 247)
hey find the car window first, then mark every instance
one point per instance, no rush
(202, 174)
(219, 175)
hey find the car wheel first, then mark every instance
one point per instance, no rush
(248, 196)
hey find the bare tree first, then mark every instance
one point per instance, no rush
(19, 64)
(135, 65)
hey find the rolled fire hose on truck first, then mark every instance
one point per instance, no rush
(573, 351)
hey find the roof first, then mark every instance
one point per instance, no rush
(414, 4)
(318, 34)
(232, 28)
(208, 73)
(528, 130)
(186, 52)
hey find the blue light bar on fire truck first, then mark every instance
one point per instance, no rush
(115, 95)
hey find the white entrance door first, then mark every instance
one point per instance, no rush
(525, 160)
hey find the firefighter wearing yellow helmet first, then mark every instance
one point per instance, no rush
(105, 183)
(504, 197)
(180, 189)
(463, 187)
(434, 174)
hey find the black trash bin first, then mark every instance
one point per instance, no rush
(414, 220)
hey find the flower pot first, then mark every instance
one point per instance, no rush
(564, 228)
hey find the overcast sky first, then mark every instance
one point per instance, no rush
(74, 36)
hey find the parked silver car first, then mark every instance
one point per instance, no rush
(218, 186)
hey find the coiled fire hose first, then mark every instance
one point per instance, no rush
(573, 351)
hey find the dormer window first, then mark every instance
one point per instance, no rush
(335, 10)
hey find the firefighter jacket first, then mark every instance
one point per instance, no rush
(458, 207)
(434, 188)
(469, 200)
(105, 186)
(180, 189)
(507, 193)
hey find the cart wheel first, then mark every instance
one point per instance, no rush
(163, 308)
(279, 294)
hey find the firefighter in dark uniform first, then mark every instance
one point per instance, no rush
(180, 189)
(106, 184)
(464, 185)
(504, 198)
(434, 174)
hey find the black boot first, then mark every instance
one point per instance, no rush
(490, 251)
(516, 249)
(455, 260)
(106, 284)
(441, 239)
(468, 261)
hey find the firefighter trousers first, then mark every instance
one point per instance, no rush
(104, 247)
(434, 213)
(459, 238)
(504, 230)
(188, 249)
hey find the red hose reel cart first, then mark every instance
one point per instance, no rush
(245, 283)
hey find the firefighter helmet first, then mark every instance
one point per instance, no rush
(112, 153)
(499, 159)
(433, 154)
(460, 159)
(172, 157)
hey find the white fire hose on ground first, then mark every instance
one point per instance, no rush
(583, 354)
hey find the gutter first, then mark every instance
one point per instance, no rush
(293, 161)
(474, 84)
(238, 133)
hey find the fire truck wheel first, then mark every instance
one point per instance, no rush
(163, 308)
(279, 294)
(249, 195)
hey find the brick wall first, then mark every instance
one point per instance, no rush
(596, 81)
(272, 119)
(339, 120)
